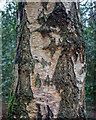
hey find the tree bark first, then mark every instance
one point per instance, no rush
(50, 63)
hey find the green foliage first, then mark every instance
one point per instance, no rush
(8, 47)
(88, 11)
(17, 107)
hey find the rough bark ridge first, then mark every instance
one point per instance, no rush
(51, 63)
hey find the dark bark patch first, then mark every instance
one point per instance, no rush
(58, 17)
(64, 78)
(47, 81)
(39, 116)
(44, 30)
(38, 81)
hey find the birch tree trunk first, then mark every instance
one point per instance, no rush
(50, 63)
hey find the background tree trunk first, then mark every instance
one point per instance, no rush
(50, 63)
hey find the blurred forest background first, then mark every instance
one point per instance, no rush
(9, 26)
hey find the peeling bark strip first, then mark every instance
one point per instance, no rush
(51, 63)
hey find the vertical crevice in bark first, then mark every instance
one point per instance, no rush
(39, 116)
(49, 114)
